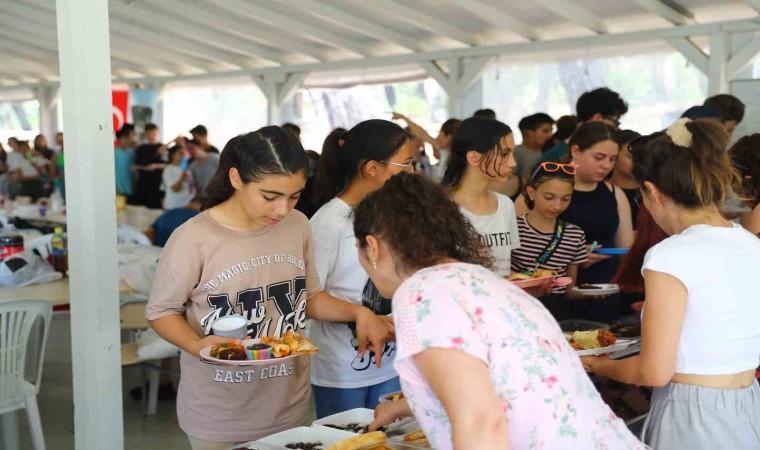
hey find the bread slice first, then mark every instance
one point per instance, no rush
(368, 441)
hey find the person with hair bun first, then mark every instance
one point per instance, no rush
(700, 342)
(482, 364)
(360, 162)
(250, 254)
(482, 153)
(746, 155)
(546, 241)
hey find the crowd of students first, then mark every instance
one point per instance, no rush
(483, 364)
(32, 170)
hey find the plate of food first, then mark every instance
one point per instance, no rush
(596, 342)
(611, 251)
(536, 278)
(258, 351)
(595, 290)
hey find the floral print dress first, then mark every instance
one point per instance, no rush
(548, 400)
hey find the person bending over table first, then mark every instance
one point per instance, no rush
(482, 364)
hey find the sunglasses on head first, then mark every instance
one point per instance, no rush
(551, 167)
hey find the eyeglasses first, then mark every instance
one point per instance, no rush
(615, 122)
(552, 167)
(639, 199)
(407, 166)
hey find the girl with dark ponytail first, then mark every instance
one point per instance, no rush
(248, 254)
(482, 153)
(700, 340)
(357, 163)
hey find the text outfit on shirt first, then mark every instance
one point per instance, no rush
(498, 231)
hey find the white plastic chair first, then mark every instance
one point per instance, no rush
(127, 234)
(132, 317)
(16, 324)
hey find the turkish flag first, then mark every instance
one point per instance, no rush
(120, 100)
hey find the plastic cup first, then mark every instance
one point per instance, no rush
(234, 326)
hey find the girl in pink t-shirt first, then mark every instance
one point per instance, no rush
(482, 364)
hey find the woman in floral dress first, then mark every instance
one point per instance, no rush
(482, 364)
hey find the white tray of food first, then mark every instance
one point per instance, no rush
(305, 438)
(355, 421)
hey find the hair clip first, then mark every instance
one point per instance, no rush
(678, 132)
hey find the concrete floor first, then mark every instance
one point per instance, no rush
(56, 403)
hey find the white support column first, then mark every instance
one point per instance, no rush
(720, 51)
(278, 89)
(85, 68)
(48, 99)
(457, 80)
(159, 116)
(453, 89)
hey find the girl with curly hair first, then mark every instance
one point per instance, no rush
(482, 363)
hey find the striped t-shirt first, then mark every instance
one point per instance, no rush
(571, 249)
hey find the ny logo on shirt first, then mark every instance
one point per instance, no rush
(258, 306)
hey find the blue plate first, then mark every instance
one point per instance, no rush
(611, 251)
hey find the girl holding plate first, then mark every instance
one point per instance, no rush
(248, 253)
(546, 241)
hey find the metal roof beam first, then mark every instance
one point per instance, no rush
(499, 18)
(295, 25)
(39, 9)
(205, 15)
(406, 12)
(652, 35)
(358, 24)
(574, 13)
(122, 44)
(230, 49)
(668, 10)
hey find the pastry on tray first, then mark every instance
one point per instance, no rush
(370, 441)
(417, 438)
